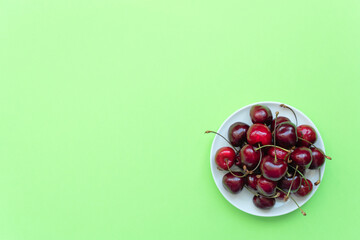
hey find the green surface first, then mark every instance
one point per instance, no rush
(103, 105)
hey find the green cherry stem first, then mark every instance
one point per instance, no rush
(318, 181)
(314, 146)
(232, 173)
(288, 193)
(302, 211)
(272, 146)
(223, 138)
(302, 175)
(284, 106)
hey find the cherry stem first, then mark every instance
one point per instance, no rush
(272, 146)
(314, 146)
(232, 173)
(318, 181)
(276, 115)
(284, 106)
(223, 138)
(292, 181)
(258, 162)
(252, 191)
(302, 211)
(302, 175)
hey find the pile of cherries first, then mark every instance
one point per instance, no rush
(272, 157)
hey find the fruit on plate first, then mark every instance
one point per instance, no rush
(270, 157)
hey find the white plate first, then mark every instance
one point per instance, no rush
(243, 199)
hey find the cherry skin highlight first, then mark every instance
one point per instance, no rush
(280, 153)
(259, 133)
(273, 169)
(263, 202)
(306, 132)
(261, 114)
(305, 188)
(233, 183)
(285, 135)
(225, 158)
(302, 156)
(293, 181)
(279, 120)
(266, 187)
(237, 133)
(249, 156)
(318, 158)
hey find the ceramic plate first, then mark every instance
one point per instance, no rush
(243, 199)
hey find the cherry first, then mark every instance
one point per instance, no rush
(237, 133)
(306, 132)
(280, 153)
(293, 181)
(282, 196)
(260, 114)
(263, 202)
(278, 121)
(318, 158)
(292, 167)
(225, 158)
(259, 133)
(273, 169)
(249, 156)
(305, 188)
(265, 186)
(285, 135)
(301, 156)
(251, 181)
(232, 182)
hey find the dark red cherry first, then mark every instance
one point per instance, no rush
(306, 132)
(260, 114)
(249, 156)
(233, 183)
(280, 153)
(225, 157)
(271, 169)
(318, 158)
(281, 196)
(237, 133)
(301, 156)
(292, 167)
(305, 188)
(251, 181)
(285, 135)
(278, 121)
(293, 181)
(266, 187)
(259, 133)
(263, 202)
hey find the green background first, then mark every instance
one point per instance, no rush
(103, 105)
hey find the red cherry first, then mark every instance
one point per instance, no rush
(273, 170)
(237, 133)
(260, 114)
(278, 121)
(249, 156)
(266, 187)
(306, 132)
(318, 158)
(263, 202)
(293, 181)
(259, 133)
(251, 181)
(225, 157)
(305, 188)
(302, 156)
(285, 135)
(233, 183)
(280, 153)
